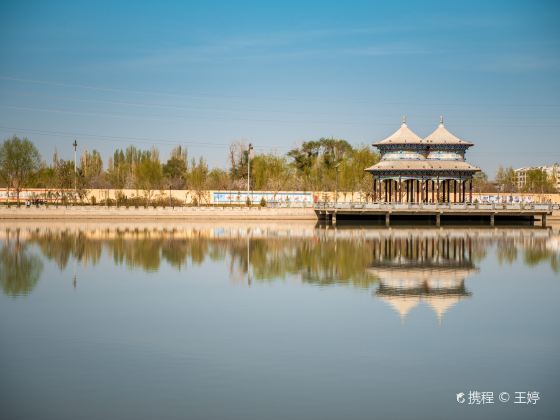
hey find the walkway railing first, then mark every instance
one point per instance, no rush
(331, 205)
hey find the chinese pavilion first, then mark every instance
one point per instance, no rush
(422, 170)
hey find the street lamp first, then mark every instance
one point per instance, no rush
(337, 167)
(75, 144)
(249, 156)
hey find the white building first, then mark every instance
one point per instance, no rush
(552, 171)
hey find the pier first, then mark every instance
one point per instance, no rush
(434, 214)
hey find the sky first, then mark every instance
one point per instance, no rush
(203, 74)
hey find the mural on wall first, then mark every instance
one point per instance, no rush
(238, 197)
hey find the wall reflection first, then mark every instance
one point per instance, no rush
(406, 267)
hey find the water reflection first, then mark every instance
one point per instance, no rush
(407, 267)
(431, 268)
(20, 269)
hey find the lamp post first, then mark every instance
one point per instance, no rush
(249, 155)
(75, 144)
(337, 167)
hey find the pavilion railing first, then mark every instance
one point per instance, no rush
(331, 205)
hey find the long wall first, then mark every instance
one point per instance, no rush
(239, 197)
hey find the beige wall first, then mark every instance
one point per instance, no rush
(205, 197)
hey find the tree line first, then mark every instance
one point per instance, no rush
(326, 164)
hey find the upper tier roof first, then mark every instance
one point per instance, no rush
(442, 136)
(403, 135)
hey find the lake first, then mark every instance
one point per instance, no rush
(276, 321)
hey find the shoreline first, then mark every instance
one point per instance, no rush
(181, 214)
(177, 213)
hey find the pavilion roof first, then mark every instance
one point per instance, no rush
(422, 165)
(403, 135)
(442, 136)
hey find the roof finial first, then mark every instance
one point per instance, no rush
(404, 120)
(441, 120)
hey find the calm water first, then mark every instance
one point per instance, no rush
(275, 322)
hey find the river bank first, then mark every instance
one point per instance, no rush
(95, 213)
(160, 213)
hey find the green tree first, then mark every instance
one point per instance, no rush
(19, 160)
(238, 158)
(316, 162)
(352, 176)
(270, 172)
(538, 181)
(218, 179)
(148, 172)
(481, 183)
(198, 177)
(506, 179)
(175, 170)
(91, 166)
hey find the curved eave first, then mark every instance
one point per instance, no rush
(422, 166)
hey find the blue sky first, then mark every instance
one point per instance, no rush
(204, 74)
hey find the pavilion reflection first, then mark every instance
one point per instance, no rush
(422, 269)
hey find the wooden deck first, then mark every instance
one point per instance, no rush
(434, 213)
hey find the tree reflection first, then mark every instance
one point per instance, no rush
(315, 256)
(19, 268)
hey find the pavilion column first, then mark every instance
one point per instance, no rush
(408, 186)
(406, 190)
(385, 189)
(470, 190)
(463, 190)
(400, 191)
(433, 188)
(374, 188)
(448, 191)
(417, 190)
(437, 192)
(454, 190)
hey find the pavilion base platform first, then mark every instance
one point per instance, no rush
(433, 215)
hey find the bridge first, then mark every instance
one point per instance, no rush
(448, 213)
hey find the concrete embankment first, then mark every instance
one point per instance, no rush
(184, 213)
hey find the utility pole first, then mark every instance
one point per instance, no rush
(337, 166)
(249, 154)
(75, 144)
